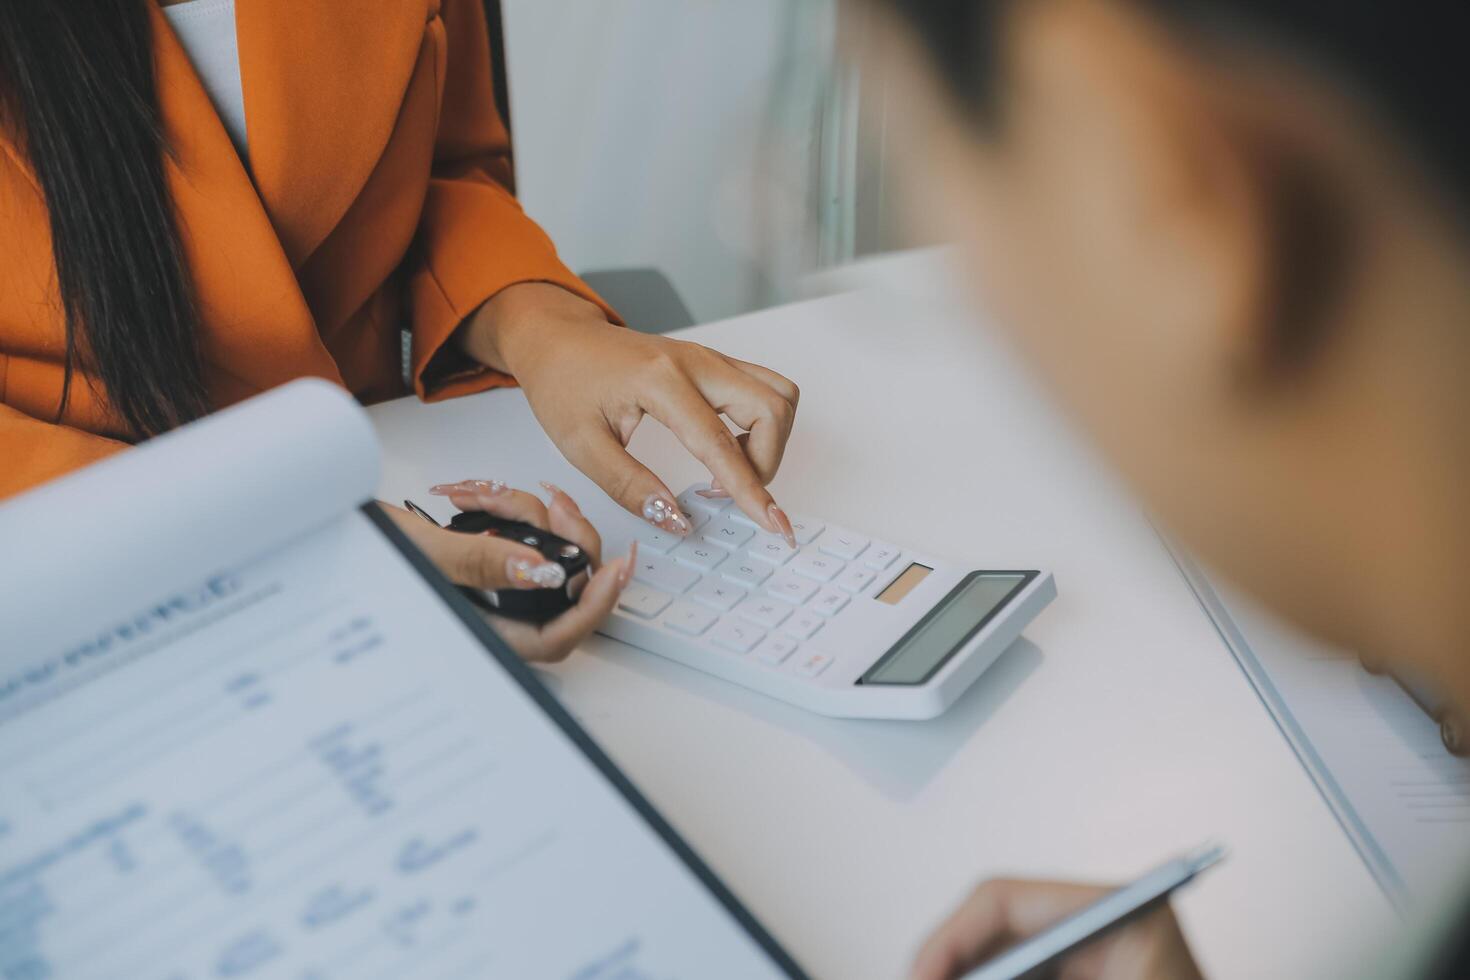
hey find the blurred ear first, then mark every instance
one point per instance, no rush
(1193, 210)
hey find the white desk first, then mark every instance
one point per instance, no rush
(1118, 732)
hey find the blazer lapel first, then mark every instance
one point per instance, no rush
(323, 82)
(256, 327)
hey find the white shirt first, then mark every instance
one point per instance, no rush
(206, 29)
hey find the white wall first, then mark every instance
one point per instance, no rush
(650, 133)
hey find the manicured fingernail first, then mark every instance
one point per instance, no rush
(560, 495)
(713, 494)
(626, 574)
(662, 513)
(525, 574)
(487, 487)
(782, 524)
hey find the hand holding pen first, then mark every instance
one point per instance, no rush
(1008, 929)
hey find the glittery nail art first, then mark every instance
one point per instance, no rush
(663, 514)
(525, 574)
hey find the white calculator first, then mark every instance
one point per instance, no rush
(841, 625)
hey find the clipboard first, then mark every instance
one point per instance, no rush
(507, 660)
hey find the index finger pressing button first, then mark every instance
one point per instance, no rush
(770, 548)
(805, 529)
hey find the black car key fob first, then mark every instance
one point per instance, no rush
(527, 605)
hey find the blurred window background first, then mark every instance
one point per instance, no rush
(710, 144)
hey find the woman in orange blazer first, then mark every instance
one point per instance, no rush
(365, 232)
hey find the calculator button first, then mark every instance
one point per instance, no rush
(742, 569)
(692, 503)
(802, 624)
(652, 539)
(805, 529)
(844, 544)
(829, 602)
(791, 587)
(770, 548)
(696, 518)
(642, 601)
(726, 533)
(879, 555)
(856, 578)
(689, 619)
(698, 553)
(661, 572)
(717, 594)
(764, 611)
(736, 636)
(811, 663)
(774, 650)
(815, 565)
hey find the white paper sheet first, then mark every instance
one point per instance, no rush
(1377, 758)
(95, 547)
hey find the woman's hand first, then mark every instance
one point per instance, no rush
(487, 562)
(1000, 913)
(590, 383)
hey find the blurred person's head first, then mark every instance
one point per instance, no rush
(1232, 236)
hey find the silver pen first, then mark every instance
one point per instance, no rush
(1115, 909)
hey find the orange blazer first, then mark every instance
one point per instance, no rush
(377, 199)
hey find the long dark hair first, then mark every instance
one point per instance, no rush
(77, 91)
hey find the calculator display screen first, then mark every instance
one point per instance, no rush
(945, 628)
